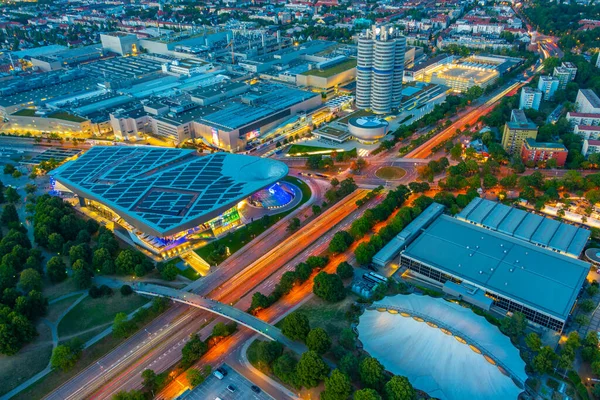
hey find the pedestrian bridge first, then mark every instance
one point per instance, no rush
(215, 307)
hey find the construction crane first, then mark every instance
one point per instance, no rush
(232, 53)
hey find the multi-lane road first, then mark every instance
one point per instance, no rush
(160, 347)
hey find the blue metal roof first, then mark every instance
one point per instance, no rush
(545, 232)
(537, 277)
(163, 191)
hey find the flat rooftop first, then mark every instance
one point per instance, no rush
(537, 277)
(50, 92)
(162, 191)
(464, 73)
(262, 104)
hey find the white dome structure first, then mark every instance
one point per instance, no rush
(368, 129)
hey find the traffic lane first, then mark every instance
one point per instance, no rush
(214, 387)
(162, 358)
(152, 334)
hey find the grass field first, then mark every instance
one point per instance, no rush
(336, 69)
(390, 173)
(93, 312)
(329, 316)
(52, 291)
(55, 309)
(298, 149)
(189, 273)
(33, 358)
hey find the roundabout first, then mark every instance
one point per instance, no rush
(390, 173)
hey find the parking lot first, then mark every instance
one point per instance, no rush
(214, 388)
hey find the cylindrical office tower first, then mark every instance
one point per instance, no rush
(364, 72)
(398, 70)
(383, 77)
(379, 70)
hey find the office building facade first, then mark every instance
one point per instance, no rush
(380, 69)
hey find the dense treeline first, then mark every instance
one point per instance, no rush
(21, 271)
(552, 18)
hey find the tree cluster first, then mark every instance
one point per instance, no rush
(290, 278)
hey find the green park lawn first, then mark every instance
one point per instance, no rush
(91, 312)
(390, 173)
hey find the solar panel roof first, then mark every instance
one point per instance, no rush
(162, 191)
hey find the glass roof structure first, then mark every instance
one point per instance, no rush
(163, 191)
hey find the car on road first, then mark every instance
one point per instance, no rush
(255, 389)
(231, 388)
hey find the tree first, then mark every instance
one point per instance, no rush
(193, 350)
(340, 242)
(295, 326)
(311, 369)
(122, 326)
(515, 325)
(9, 215)
(344, 270)
(337, 386)
(9, 169)
(371, 372)
(316, 210)
(587, 305)
(11, 195)
(169, 272)
(399, 388)
(366, 394)
(334, 182)
(149, 379)
(56, 269)
(329, 287)
(542, 362)
(65, 356)
(265, 353)
(349, 365)
(259, 301)
(30, 280)
(533, 342)
(293, 225)
(284, 368)
(82, 276)
(131, 395)
(126, 290)
(55, 242)
(347, 339)
(194, 377)
(318, 341)
(79, 252)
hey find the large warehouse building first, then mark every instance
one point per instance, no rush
(492, 269)
(165, 197)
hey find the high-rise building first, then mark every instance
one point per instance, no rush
(565, 74)
(380, 69)
(598, 61)
(587, 102)
(530, 98)
(516, 131)
(548, 85)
